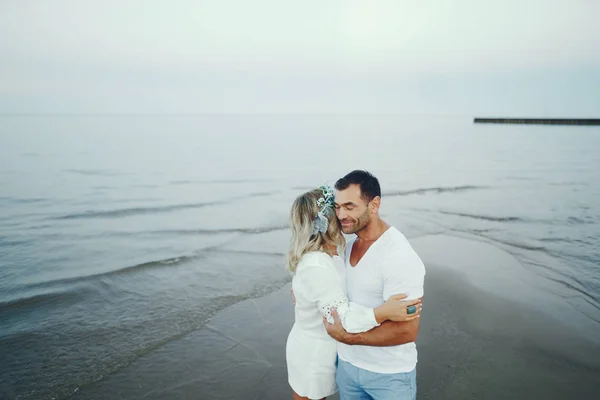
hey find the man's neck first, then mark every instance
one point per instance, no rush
(373, 231)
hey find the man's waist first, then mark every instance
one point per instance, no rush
(384, 360)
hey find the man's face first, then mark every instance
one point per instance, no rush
(351, 209)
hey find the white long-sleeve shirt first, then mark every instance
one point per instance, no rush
(318, 288)
(310, 352)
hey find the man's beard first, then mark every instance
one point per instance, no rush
(362, 221)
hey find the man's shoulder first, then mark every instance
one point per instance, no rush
(399, 249)
(396, 241)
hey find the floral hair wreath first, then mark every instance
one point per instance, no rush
(326, 205)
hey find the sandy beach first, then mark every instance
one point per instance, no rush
(151, 153)
(473, 344)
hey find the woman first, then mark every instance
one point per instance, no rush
(315, 242)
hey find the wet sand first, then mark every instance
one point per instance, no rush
(473, 344)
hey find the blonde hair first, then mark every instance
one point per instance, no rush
(304, 211)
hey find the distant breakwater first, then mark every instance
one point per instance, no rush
(539, 121)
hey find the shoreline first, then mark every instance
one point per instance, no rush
(473, 343)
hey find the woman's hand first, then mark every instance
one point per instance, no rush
(397, 309)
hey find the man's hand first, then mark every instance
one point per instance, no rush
(389, 333)
(293, 297)
(337, 330)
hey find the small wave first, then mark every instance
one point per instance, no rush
(551, 267)
(570, 183)
(437, 190)
(169, 262)
(235, 181)
(543, 269)
(138, 200)
(484, 217)
(7, 242)
(491, 239)
(560, 276)
(259, 194)
(4, 241)
(522, 246)
(126, 212)
(216, 181)
(306, 188)
(139, 267)
(585, 295)
(38, 300)
(31, 200)
(259, 230)
(165, 263)
(566, 240)
(16, 200)
(216, 305)
(145, 186)
(520, 178)
(251, 253)
(580, 221)
(481, 231)
(591, 257)
(94, 172)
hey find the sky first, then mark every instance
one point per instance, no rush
(459, 57)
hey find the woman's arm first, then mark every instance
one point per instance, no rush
(325, 289)
(389, 333)
(354, 318)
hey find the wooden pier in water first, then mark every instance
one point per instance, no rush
(539, 121)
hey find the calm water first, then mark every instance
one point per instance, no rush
(121, 234)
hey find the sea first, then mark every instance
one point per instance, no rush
(122, 233)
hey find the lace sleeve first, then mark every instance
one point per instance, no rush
(340, 304)
(355, 318)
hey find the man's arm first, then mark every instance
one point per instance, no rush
(402, 272)
(389, 333)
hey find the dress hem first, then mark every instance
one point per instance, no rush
(319, 397)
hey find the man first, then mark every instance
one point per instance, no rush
(379, 364)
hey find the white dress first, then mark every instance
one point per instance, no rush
(310, 352)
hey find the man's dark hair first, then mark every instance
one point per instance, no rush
(369, 185)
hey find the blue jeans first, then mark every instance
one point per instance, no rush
(359, 384)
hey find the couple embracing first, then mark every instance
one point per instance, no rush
(357, 303)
